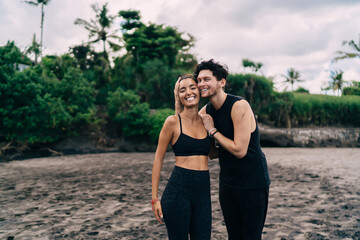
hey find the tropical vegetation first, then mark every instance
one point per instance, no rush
(129, 94)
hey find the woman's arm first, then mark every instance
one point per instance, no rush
(165, 137)
(241, 115)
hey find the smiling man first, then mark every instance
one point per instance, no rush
(244, 179)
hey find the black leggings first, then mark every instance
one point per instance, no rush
(186, 204)
(244, 211)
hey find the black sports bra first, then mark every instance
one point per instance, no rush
(189, 146)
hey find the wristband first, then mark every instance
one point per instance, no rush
(212, 135)
(210, 131)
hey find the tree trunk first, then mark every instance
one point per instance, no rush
(104, 49)
(42, 29)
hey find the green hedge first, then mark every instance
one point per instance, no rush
(294, 109)
(351, 91)
(277, 111)
(324, 110)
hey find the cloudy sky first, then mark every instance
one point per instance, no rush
(304, 34)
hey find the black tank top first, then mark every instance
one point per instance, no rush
(189, 146)
(249, 172)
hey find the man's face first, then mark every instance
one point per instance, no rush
(208, 84)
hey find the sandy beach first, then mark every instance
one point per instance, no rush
(314, 194)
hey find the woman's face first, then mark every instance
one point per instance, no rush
(189, 92)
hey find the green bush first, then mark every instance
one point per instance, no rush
(278, 110)
(152, 80)
(290, 109)
(28, 112)
(156, 122)
(324, 110)
(124, 108)
(38, 106)
(301, 90)
(56, 66)
(78, 96)
(10, 58)
(351, 91)
(158, 81)
(257, 90)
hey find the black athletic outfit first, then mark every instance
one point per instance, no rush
(244, 183)
(186, 201)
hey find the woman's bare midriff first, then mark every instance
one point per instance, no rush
(199, 163)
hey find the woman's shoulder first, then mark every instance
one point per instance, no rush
(171, 120)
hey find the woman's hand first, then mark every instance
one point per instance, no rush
(156, 206)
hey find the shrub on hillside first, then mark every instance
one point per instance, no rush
(28, 112)
(124, 108)
(10, 58)
(78, 97)
(41, 103)
(156, 122)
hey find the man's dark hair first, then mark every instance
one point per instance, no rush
(220, 71)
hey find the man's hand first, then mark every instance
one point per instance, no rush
(178, 106)
(207, 121)
(176, 89)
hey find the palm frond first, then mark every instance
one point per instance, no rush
(114, 46)
(95, 41)
(80, 21)
(32, 3)
(95, 7)
(352, 44)
(345, 55)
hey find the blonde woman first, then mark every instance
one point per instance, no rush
(185, 204)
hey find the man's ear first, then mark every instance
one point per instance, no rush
(222, 83)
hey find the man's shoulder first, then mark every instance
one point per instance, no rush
(235, 97)
(240, 106)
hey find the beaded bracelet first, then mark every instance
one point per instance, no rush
(153, 202)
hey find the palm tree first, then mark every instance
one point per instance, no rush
(253, 65)
(98, 28)
(337, 82)
(349, 55)
(292, 77)
(34, 48)
(42, 3)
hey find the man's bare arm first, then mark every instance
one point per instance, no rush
(242, 118)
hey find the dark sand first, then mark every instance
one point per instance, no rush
(315, 194)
